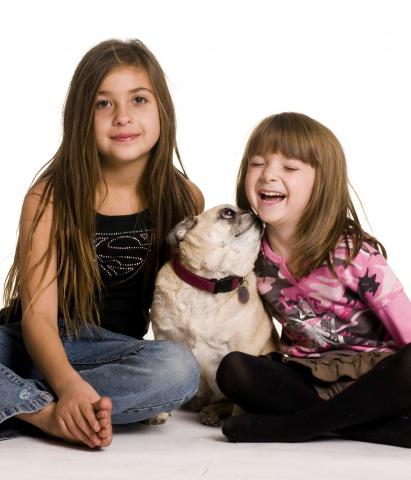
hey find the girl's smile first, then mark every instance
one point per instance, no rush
(125, 138)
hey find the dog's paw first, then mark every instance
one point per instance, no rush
(209, 416)
(214, 412)
(159, 419)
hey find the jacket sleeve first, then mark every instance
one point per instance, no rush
(380, 289)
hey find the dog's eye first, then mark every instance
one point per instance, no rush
(227, 213)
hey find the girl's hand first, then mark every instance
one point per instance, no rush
(75, 414)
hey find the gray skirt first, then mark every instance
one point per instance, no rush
(334, 373)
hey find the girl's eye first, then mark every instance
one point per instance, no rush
(256, 164)
(290, 169)
(102, 103)
(140, 100)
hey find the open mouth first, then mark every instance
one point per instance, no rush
(271, 197)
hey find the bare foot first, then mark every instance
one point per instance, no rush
(46, 421)
(102, 409)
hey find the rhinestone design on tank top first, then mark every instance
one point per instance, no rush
(122, 253)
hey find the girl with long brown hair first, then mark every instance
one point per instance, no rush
(91, 240)
(345, 359)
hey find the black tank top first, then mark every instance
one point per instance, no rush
(122, 244)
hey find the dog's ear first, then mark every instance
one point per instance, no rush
(178, 232)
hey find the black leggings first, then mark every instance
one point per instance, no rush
(283, 406)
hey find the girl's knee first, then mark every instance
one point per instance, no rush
(231, 372)
(229, 363)
(180, 366)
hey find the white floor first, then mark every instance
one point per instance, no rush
(184, 449)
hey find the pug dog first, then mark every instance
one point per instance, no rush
(207, 299)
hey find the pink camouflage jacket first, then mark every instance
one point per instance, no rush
(363, 308)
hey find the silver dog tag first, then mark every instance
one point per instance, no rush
(243, 294)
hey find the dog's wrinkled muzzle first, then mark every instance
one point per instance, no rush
(246, 221)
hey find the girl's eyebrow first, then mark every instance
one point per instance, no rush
(133, 90)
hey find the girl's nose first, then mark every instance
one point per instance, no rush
(270, 173)
(122, 116)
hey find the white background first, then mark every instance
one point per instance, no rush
(229, 64)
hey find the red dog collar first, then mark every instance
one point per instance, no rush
(211, 285)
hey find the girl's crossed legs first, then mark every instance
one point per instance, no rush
(283, 406)
(142, 378)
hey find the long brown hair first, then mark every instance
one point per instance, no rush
(330, 214)
(71, 177)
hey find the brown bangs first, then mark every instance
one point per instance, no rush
(287, 133)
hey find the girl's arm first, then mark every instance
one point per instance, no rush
(381, 290)
(40, 327)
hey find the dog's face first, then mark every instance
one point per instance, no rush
(219, 242)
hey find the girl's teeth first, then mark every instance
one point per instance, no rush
(271, 196)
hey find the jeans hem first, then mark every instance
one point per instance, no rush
(43, 399)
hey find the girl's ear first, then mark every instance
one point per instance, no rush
(178, 232)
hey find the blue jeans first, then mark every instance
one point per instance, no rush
(142, 377)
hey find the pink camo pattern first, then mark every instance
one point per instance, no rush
(364, 308)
